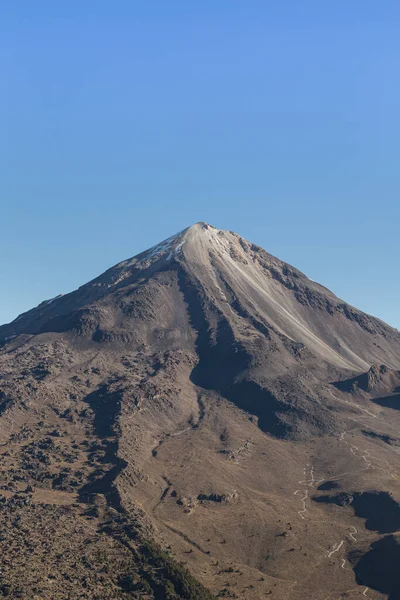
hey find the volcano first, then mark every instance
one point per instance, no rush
(200, 420)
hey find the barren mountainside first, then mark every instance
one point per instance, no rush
(200, 420)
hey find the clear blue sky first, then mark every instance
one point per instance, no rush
(124, 122)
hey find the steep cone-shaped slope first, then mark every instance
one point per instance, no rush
(243, 282)
(264, 335)
(140, 403)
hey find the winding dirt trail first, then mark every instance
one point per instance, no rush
(310, 481)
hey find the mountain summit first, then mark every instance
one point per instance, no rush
(235, 275)
(205, 395)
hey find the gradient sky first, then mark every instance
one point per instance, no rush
(123, 122)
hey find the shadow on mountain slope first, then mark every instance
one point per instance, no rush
(223, 360)
(381, 511)
(379, 567)
(106, 405)
(389, 401)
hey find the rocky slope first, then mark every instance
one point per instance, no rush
(201, 419)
